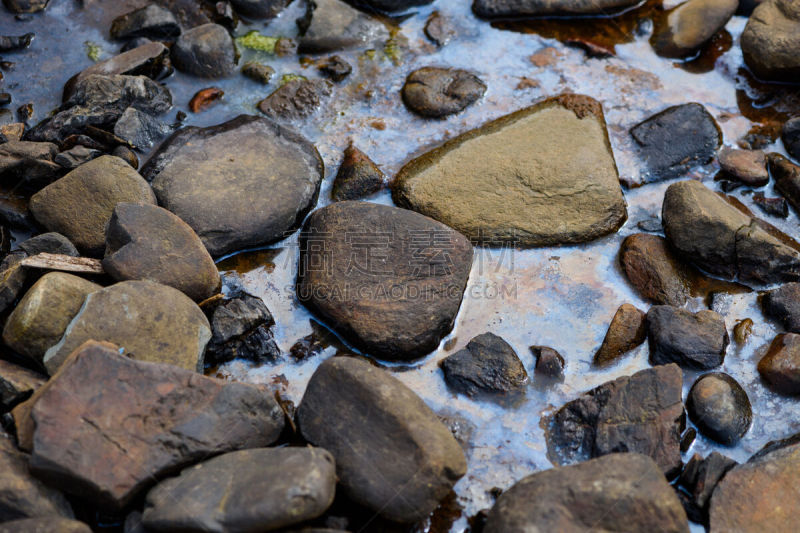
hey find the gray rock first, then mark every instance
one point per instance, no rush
(488, 365)
(44, 525)
(76, 156)
(783, 305)
(693, 340)
(32, 163)
(771, 39)
(51, 243)
(258, 72)
(790, 135)
(206, 51)
(549, 363)
(140, 129)
(438, 92)
(240, 327)
(260, 9)
(532, 8)
(151, 21)
(25, 6)
(331, 25)
(720, 408)
(780, 366)
(296, 100)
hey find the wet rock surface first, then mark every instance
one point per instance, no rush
(510, 195)
(230, 202)
(626, 331)
(147, 320)
(206, 51)
(76, 156)
(783, 305)
(30, 162)
(691, 25)
(488, 365)
(790, 135)
(260, 489)
(331, 25)
(398, 442)
(44, 525)
(438, 92)
(336, 68)
(692, 340)
(151, 21)
(653, 269)
(640, 413)
(787, 178)
(139, 129)
(295, 100)
(719, 238)
(618, 492)
(148, 242)
(532, 8)
(358, 176)
(375, 302)
(675, 140)
(549, 363)
(719, 407)
(25, 6)
(770, 39)
(259, 8)
(699, 478)
(258, 72)
(780, 366)
(17, 384)
(240, 327)
(746, 166)
(173, 417)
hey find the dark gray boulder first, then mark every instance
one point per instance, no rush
(487, 365)
(692, 340)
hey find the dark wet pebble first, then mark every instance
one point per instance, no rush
(51, 243)
(746, 166)
(439, 29)
(25, 6)
(259, 9)
(151, 21)
(285, 46)
(76, 156)
(780, 367)
(307, 347)
(776, 207)
(241, 327)
(698, 480)
(335, 68)
(783, 304)
(675, 140)
(719, 407)
(331, 25)
(17, 384)
(5, 99)
(127, 155)
(32, 163)
(491, 9)
(10, 43)
(691, 25)
(650, 225)
(25, 112)
(653, 269)
(206, 51)
(771, 39)
(12, 281)
(693, 340)
(358, 176)
(626, 331)
(258, 71)
(297, 99)
(488, 365)
(742, 330)
(140, 129)
(787, 178)
(791, 137)
(549, 363)
(15, 214)
(687, 439)
(438, 92)
(647, 404)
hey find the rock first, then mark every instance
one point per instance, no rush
(172, 418)
(330, 25)
(771, 39)
(231, 202)
(149, 321)
(240, 327)
(492, 185)
(206, 51)
(148, 242)
(691, 25)
(719, 238)
(619, 492)
(640, 413)
(675, 140)
(780, 367)
(693, 340)
(285, 46)
(80, 204)
(701, 476)
(491, 9)
(15, 215)
(296, 100)
(397, 442)
(248, 490)
(549, 363)
(151, 21)
(438, 92)
(759, 495)
(150, 59)
(746, 166)
(335, 68)
(488, 365)
(25, 6)
(790, 135)
(393, 6)
(787, 178)
(22, 495)
(776, 207)
(653, 269)
(16, 385)
(43, 314)
(374, 286)
(746, 7)
(127, 155)
(260, 9)
(358, 176)
(12, 280)
(140, 129)
(51, 243)
(626, 331)
(32, 163)
(44, 525)
(76, 156)
(719, 407)
(258, 72)
(783, 304)
(439, 29)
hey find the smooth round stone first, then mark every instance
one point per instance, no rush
(720, 408)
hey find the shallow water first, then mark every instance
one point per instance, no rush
(563, 297)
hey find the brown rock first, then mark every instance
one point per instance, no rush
(771, 39)
(549, 363)
(787, 178)
(438, 92)
(691, 25)
(626, 331)
(746, 166)
(654, 270)
(44, 525)
(780, 367)
(358, 176)
(296, 100)
(17, 384)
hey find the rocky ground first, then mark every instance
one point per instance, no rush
(399, 266)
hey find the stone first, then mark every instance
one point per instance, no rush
(549, 363)
(701, 476)
(148, 242)
(746, 7)
(719, 238)
(21, 494)
(719, 407)
(12, 132)
(693, 340)
(397, 442)
(260, 9)
(759, 495)
(787, 179)
(490, 9)
(240, 327)
(438, 92)
(770, 41)
(653, 270)
(232, 201)
(626, 331)
(44, 525)
(32, 163)
(127, 155)
(439, 29)
(331, 25)
(492, 185)
(790, 135)
(12, 280)
(80, 204)
(76, 156)
(783, 304)
(258, 72)
(780, 366)
(296, 100)
(618, 492)
(691, 25)
(138, 422)
(358, 176)
(141, 130)
(41, 317)
(17, 384)
(488, 365)
(335, 68)
(248, 490)
(371, 271)
(25, 6)
(776, 207)
(51, 243)
(746, 166)
(675, 140)
(153, 21)
(641, 413)
(147, 320)
(206, 51)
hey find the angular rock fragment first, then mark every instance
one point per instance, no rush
(626, 331)
(700, 477)
(151, 21)
(439, 29)
(787, 178)
(76, 156)
(206, 51)
(534, 8)
(438, 92)
(549, 363)
(780, 367)
(692, 340)
(32, 163)
(777, 207)
(240, 327)
(331, 25)
(654, 270)
(719, 407)
(358, 176)
(17, 384)
(141, 130)
(488, 365)
(691, 25)
(771, 39)
(335, 68)
(295, 100)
